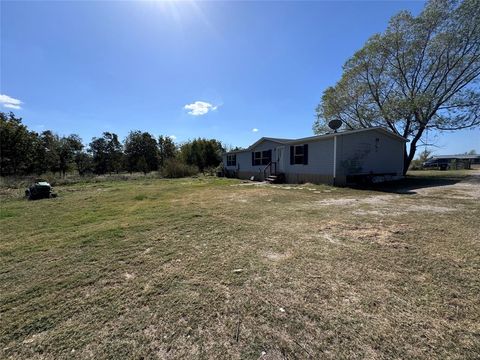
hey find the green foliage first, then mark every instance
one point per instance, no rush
(202, 153)
(16, 145)
(422, 72)
(68, 148)
(84, 163)
(25, 152)
(174, 168)
(141, 152)
(107, 153)
(166, 149)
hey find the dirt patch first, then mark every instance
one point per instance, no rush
(469, 188)
(35, 337)
(430, 208)
(128, 276)
(337, 202)
(383, 205)
(368, 212)
(372, 200)
(344, 233)
(275, 257)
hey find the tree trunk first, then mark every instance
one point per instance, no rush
(406, 163)
(413, 148)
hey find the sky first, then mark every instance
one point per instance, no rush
(233, 70)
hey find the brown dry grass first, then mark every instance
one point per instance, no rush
(210, 269)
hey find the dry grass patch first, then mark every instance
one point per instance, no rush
(205, 268)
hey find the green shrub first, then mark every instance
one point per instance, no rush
(174, 168)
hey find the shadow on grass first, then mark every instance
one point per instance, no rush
(410, 184)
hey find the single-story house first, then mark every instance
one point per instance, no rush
(445, 162)
(334, 158)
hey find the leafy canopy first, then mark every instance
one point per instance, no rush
(422, 72)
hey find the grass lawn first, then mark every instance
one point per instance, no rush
(213, 268)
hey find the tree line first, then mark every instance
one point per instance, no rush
(26, 152)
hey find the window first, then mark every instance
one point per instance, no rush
(261, 157)
(299, 154)
(232, 160)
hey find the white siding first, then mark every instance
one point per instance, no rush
(367, 152)
(362, 153)
(320, 159)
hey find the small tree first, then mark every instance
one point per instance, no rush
(417, 164)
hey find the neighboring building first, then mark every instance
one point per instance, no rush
(444, 162)
(335, 158)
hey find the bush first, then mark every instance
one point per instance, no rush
(416, 164)
(210, 171)
(174, 168)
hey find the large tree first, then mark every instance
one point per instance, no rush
(141, 152)
(166, 149)
(421, 73)
(16, 145)
(202, 153)
(68, 149)
(47, 157)
(107, 154)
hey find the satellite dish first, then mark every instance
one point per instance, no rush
(334, 124)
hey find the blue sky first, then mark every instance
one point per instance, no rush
(94, 66)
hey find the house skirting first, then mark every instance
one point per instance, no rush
(296, 178)
(246, 175)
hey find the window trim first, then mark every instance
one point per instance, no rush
(298, 158)
(262, 157)
(232, 160)
(299, 154)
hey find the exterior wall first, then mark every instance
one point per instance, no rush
(315, 179)
(318, 170)
(369, 152)
(244, 167)
(320, 159)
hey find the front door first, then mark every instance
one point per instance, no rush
(280, 159)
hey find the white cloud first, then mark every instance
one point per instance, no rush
(199, 108)
(12, 106)
(254, 130)
(173, 137)
(10, 102)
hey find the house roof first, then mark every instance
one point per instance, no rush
(465, 157)
(321, 137)
(277, 140)
(349, 132)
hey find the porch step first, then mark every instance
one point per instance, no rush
(275, 179)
